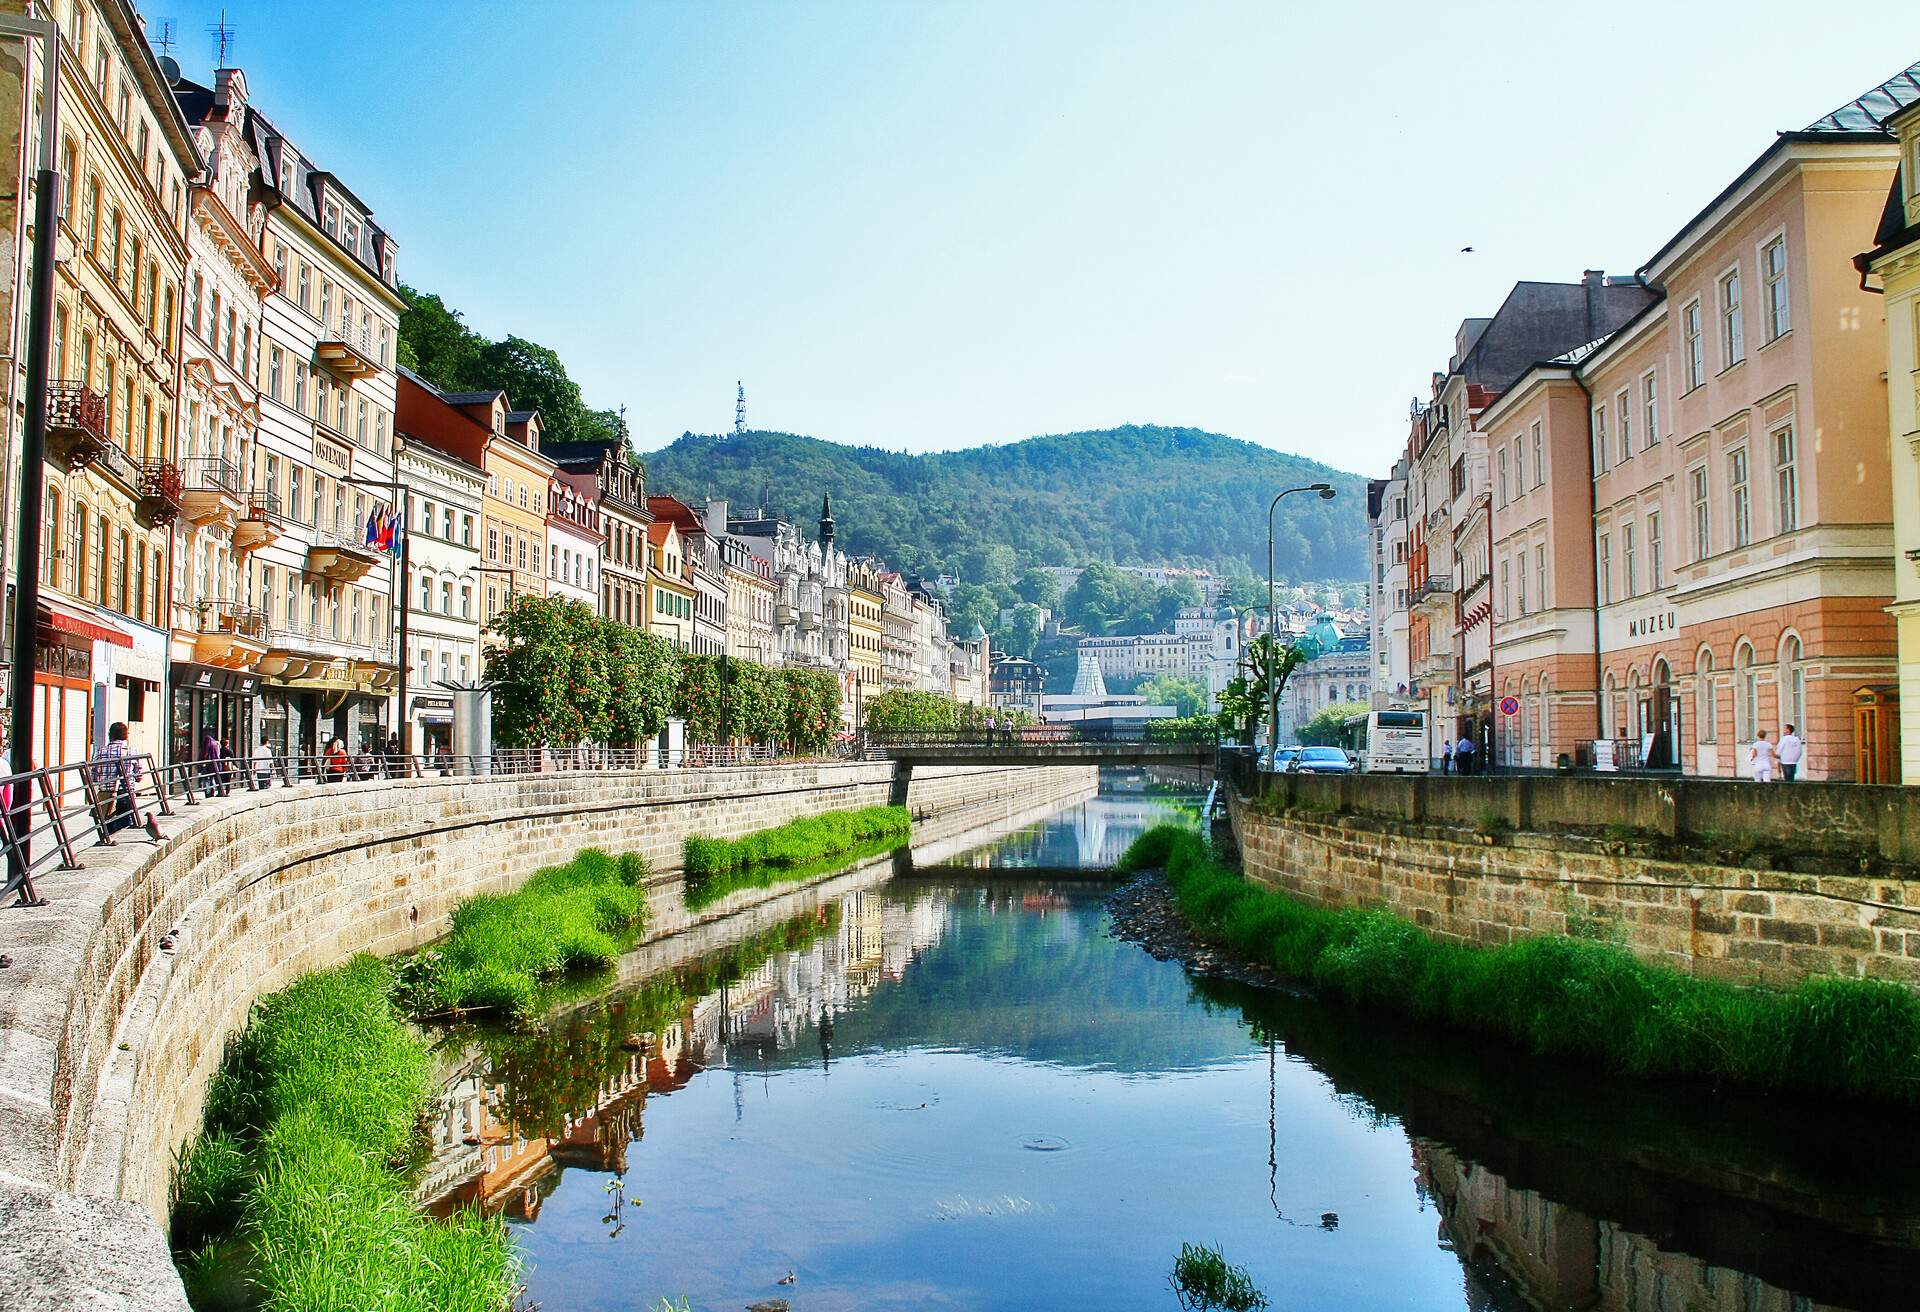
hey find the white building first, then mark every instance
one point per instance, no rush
(1344, 674)
(443, 608)
(576, 532)
(1387, 586)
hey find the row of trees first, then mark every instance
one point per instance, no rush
(906, 709)
(562, 675)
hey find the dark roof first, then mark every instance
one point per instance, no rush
(1869, 111)
(470, 398)
(1540, 320)
(520, 416)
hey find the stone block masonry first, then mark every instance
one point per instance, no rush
(1738, 923)
(107, 1044)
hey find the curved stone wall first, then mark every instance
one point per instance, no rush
(107, 1043)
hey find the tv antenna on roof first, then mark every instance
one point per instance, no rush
(223, 38)
(163, 44)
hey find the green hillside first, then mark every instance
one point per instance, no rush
(1133, 495)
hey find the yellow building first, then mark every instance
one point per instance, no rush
(670, 584)
(1895, 261)
(112, 478)
(866, 633)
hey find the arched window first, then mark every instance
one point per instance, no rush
(1746, 692)
(1793, 682)
(50, 550)
(1607, 722)
(1705, 715)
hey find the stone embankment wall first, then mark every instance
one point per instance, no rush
(107, 1044)
(1480, 861)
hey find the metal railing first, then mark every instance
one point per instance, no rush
(213, 474)
(225, 616)
(51, 818)
(1043, 735)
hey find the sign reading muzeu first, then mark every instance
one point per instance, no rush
(1630, 626)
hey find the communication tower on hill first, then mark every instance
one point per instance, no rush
(739, 408)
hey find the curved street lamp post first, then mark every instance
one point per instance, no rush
(1273, 617)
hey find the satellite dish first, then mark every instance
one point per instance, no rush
(170, 69)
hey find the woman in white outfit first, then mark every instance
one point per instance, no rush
(1761, 754)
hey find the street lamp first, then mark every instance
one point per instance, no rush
(33, 438)
(1273, 615)
(405, 656)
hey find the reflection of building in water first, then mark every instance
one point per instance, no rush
(1096, 832)
(1522, 1250)
(480, 1157)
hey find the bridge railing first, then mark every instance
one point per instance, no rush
(1043, 736)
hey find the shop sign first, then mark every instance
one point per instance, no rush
(1621, 627)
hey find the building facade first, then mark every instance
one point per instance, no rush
(1895, 262)
(444, 498)
(866, 634)
(112, 478)
(670, 580)
(614, 476)
(575, 532)
(701, 554)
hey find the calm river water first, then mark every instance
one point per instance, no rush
(949, 1088)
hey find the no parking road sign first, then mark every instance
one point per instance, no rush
(1509, 706)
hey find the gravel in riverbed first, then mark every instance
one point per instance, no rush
(1142, 911)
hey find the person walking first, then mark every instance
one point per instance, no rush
(210, 783)
(263, 764)
(118, 770)
(1463, 754)
(1761, 757)
(1790, 751)
(1446, 757)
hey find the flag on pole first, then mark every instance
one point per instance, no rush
(373, 527)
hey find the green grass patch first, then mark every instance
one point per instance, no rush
(815, 844)
(1204, 1281)
(504, 946)
(297, 1197)
(1574, 997)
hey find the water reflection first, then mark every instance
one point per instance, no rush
(956, 1090)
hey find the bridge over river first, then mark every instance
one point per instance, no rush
(1042, 744)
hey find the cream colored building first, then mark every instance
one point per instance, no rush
(112, 477)
(1895, 263)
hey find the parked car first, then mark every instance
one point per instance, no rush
(1320, 760)
(1282, 759)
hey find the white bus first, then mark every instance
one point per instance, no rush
(1390, 742)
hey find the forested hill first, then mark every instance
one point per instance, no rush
(1133, 495)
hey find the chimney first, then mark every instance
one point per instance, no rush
(1595, 282)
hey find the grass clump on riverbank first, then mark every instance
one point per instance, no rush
(568, 917)
(1561, 995)
(715, 867)
(297, 1197)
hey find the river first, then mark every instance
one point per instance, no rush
(939, 1083)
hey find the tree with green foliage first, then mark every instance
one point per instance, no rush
(1039, 587)
(1326, 726)
(435, 341)
(1245, 702)
(545, 665)
(1186, 696)
(1021, 636)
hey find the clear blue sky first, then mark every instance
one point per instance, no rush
(928, 225)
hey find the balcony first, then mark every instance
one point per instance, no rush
(212, 492)
(259, 522)
(809, 620)
(784, 615)
(307, 652)
(346, 351)
(1434, 589)
(1434, 667)
(340, 556)
(231, 636)
(160, 493)
(76, 425)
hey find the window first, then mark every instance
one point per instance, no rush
(1522, 580)
(1746, 693)
(1690, 336)
(300, 386)
(1519, 467)
(493, 544)
(306, 282)
(280, 266)
(466, 530)
(1773, 268)
(1742, 524)
(1606, 568)
(1656, 554)
(1600, 440)
(466, 608)
(446, 598)
(1623, 415)
(91, 219)
(1704, 714)
(1503, 476)
(1539, 577)
(275, 359)
(1702, 537)
(326, 303)
(446, 523)
(1733, 335)
(293, 492)
(1786, 480)
(426, 593)
(1650, 396)
(1628, 560)
(1506, 592)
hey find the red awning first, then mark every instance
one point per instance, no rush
(61, 622)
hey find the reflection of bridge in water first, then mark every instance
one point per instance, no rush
(1092, 838)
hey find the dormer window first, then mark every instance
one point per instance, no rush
(350, 235)
(330, 219)
(287, 161)
(499, 418)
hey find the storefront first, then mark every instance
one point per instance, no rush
(433, 718)
(209, 702)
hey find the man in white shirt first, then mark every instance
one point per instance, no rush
(1761, 757)
(1791, 750)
